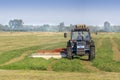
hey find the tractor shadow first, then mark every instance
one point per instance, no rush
(84, 58)
(81, 58)
(63, 54)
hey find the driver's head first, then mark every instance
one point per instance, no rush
(79, 33)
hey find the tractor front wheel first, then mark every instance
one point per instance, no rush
(69, 53)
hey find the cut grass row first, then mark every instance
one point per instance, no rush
(69, 65)
(117, 40)
(43, 64)
(51, 75)
(104, 57)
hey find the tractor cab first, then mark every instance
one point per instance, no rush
(80, 35)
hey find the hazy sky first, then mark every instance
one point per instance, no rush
(90, 12)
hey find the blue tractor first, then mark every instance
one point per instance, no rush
(80, 43)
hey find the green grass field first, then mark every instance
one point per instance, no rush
(16, 47)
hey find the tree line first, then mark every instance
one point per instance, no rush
(18, 25)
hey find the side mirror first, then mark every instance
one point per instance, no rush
(65, 35)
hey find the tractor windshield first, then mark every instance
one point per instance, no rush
(80, 35)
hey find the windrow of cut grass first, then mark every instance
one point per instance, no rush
(29, 64)
(115, 50)
(117, 40)
(69, 65)
(104, 59)
(43, 64)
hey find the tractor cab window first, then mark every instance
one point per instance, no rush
(80, 35)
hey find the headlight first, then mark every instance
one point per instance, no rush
(81, 46)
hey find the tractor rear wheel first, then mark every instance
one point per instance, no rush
(91, 55)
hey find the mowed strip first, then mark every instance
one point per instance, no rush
(99, 43)
(115, 50)
(49, 68)
(51, 75)
(87, 64)
(16, 59)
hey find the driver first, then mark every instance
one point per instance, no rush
(79, 36)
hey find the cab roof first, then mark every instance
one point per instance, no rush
(80, 27)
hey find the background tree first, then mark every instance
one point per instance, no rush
(16, 24)
(61, 26)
